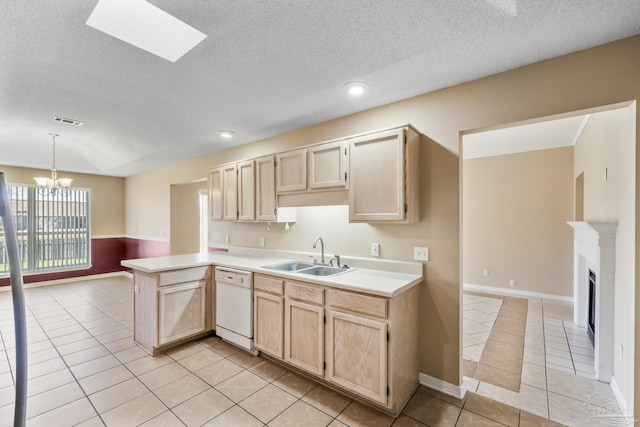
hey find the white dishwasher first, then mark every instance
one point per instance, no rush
(234, 307)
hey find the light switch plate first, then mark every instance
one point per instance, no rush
(262, 241)
(420, 253)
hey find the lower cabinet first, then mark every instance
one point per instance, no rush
(171, 306)
(181, 311)
(365, 345)
(357, 355)
(268, 310)
(304, 327)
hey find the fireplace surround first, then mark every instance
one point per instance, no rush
(594, 252)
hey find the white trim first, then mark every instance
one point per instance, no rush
(154, 239)
(442, 386)
(70, 280)
(108, 236)
(514, 292)
(586, 119)
(622, 403)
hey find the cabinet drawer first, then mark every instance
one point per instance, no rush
(306, 293)
(269, 284)
(365, 304)
(185, 275)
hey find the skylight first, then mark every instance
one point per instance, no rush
(145, 26)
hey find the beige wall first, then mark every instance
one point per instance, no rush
(599, 76)
(107, 196)
(516, 209)
(185, 217)
(608, 142)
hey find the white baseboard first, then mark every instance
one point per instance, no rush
(514, 292)
(70, 280)
(442, 386)
(622, 402)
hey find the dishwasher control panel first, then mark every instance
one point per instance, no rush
(234, 277)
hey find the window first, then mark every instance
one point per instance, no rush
(52, 229)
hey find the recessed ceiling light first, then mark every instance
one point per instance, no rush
(355, 88)
(145, 26)
(226, 133)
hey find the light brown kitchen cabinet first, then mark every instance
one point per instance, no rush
(230, 192)
(266, 189)
(215, 194)
(357, 354)
(327, 165)
(268, 315)
(368, 343)
(181, 311)
(383, 177)
(291, 171)
(171, 307)
(246, 191)
(304, 327)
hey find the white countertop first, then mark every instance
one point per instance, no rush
(383, 282)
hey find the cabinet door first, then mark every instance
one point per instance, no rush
(304, 336)
(266, 189)
(246, 191)
(268, 327)
(181, 311)
(327, 165)
(377, 177)
(215, 194)
(357, 354)
(291, 171)
(230, 192)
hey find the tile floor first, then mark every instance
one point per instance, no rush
(556, 376)
(85, 370)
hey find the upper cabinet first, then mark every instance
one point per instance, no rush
(266, 189)
(291, 171)
(376, 174)
(327, 165)
(383, 177)
(246, 191)
(230, 192)
(215, 193)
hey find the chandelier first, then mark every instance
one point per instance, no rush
(54, 184)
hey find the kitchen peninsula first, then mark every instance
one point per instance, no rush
(355, 331)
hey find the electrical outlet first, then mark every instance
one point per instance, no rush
(136, 289)
(262, 241)
(227, 238)
(420, 253)
(375, 249)
(485, 272)
(512, 282)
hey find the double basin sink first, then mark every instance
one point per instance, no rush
(308, 268)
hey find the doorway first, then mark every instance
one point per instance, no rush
(186, 217)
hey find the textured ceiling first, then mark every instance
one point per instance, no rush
(266, 67)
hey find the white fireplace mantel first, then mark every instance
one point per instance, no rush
(594, 249)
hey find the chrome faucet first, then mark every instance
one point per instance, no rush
(315, 242)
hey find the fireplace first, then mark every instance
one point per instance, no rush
(593, 288)
(591, 320)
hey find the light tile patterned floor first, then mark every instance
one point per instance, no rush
(85, 370)
(557, 376)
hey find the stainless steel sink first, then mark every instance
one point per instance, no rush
(322, 271)
(289, 266)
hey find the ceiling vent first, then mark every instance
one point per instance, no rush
(67, 121)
